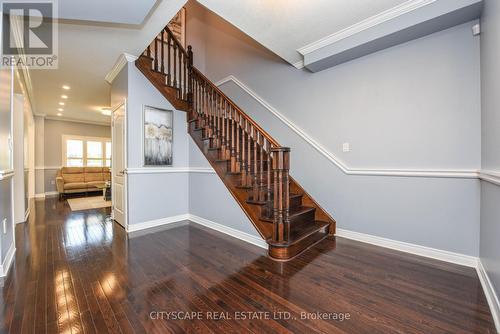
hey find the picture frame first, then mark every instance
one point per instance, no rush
(158, 136)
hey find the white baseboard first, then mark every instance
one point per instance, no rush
(46, 194)
(155, 223)
(201, 221)
(257, 241)
(27, 214)
(490, 293)
(6, 264)
(438, 254)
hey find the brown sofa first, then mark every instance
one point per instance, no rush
(72, 180)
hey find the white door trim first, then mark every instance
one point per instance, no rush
(125, 146)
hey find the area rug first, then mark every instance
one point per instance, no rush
(88, 203)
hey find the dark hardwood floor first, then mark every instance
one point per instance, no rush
(78, 273)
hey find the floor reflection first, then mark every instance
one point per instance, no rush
(78, 272)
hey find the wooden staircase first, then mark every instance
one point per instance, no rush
(252, 165)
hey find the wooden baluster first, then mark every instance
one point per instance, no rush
(211, 108)
(190, 73)
(227, 150)
(185, 97)
(255, 183)
(156, 54)
(175, 65)
(169, 66)
(162, 52)
(180, 71)
(248, 181)
(269, 167)
(232, 113)
(148, 51)
(214, 104)
(281, 209)
(219, 120)
(261, 171)
(238, 137)
(243, 153)
(223, 130)
(207, 111)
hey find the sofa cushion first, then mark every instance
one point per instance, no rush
(89, 177)
(106, 174)
(95, 184)
(92, 170)
(72, 170)
(72, 177)
(75, 185)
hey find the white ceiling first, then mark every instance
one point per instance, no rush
(115, 11)
(283, 26)
(87, 52)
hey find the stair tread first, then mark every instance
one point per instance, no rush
(297, 235)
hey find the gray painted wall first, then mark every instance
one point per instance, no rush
(206, 190)
(490, 88)
(53, 137)
(6, 239)
(6, 195)
(50, 132)
(416, 105)
(153, 196)
(39, 155)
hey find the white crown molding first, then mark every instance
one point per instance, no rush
(167, 170)
(438, 254)
(428, 173)
(6, 174)
(123, 59)
(489, 291)
(254, 240)
(299, 65)
(368, 23)
(7, 263)
(65, 119)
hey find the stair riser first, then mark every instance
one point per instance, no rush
(267, 209)
(287, 253)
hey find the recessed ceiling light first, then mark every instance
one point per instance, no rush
(61, 103)
(66, 87)
(59, 114)
(60, 109)
(64, 96)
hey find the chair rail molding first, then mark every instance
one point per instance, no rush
(168, 170)
(123, 59)
(427, 173)
(492, 176)
(6, 174)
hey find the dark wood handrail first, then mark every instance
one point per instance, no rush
(271, 140)
(263, 164)
(179, 45)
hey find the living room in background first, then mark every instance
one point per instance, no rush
(79, 151)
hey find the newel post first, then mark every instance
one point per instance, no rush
(281, 166)
(190, 74)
